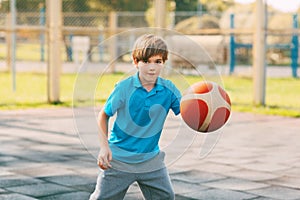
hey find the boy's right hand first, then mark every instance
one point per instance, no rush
(104, 158)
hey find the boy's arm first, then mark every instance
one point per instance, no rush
(105, 154)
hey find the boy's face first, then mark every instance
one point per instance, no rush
(149, 69)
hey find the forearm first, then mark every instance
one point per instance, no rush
(103, 129)
(105, 155)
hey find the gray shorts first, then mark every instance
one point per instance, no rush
(113, 183)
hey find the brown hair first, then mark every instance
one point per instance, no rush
(149, 45)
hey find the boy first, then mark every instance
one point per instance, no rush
(142, 102)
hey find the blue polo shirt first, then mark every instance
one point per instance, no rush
(140, 117)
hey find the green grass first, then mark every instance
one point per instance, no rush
(31, 90)
(282, 94)
(28, 52)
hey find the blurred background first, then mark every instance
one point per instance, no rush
(91, 22)
(54, 37)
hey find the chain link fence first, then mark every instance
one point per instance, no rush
(93, 25)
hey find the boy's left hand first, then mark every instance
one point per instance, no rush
(104, 158)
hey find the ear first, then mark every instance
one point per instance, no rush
(135, 62)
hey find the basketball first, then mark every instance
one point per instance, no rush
(205, 107)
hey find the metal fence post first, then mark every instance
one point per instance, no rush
(13, 43)
(54, 28)
(259, 54)
(113, 24)
(8, 42)
(232, 46)
(42, 35)
(295, 47)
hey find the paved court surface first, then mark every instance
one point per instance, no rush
(256, 157)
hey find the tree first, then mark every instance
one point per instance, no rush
(117, 5)
(75, 6)
(150, 14)
(186, 5)
(203, 5)
(129, 5)
(195, 23)
(22, 6)
(216, 5)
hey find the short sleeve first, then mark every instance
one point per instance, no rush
(176, 97)
(114, 101)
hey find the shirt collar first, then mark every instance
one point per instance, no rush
(158, 85)
(136, 80)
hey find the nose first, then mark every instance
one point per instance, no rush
(152, 66)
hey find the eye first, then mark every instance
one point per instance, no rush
(145, 61)
(158, 61)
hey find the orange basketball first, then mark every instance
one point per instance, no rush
(205, 107)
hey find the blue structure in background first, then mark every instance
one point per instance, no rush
(232, 46)
(42, 35)
(69, 47)
(293, 46)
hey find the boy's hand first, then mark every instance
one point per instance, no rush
(104, 158)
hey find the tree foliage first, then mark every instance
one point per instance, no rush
(106, 6)
(203, 5)
(217, 5)
(186, 5)
(118, 5)
(80, 5)
(75, 6)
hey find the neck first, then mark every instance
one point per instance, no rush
(148, 87)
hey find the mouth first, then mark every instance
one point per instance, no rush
(151, 74)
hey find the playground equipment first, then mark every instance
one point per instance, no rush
(293, 46)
